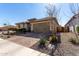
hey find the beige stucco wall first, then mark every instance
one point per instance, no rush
(41, 26)
(44, 26)
(17, 26)
(54, 26)
(24, 25)
(20, 26)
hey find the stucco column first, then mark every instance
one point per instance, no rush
(25, 26)
(31, 27)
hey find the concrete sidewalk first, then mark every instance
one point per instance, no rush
(8, 48)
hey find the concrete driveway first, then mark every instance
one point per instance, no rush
(8, 48)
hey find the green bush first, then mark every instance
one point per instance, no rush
(42, 42)
(77, 29)
(54, 39)
(23, 30)
(74, 41)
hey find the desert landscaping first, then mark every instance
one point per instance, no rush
(33, 32)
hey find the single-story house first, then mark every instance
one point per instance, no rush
(73, 23)
(40, 25)
(5, 29)
(8, 27)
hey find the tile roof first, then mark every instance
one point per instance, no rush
(39, 20)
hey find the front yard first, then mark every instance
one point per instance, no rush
(66, 48)
(30, 40)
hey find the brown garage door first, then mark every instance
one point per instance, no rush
(41, 27)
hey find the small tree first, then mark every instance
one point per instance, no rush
(7, 24)
(53, 11)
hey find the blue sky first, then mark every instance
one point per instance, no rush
(14, 13)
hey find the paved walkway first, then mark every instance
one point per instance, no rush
(8, 48)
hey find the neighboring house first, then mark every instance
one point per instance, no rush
(62, 29)
(40, 25)
(5, 29)
(9, 27)
(73, 23)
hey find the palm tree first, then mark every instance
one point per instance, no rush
(5, 25)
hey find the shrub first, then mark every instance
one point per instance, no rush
(8, 36)
(48, 40)
(74, 41)
(23, 30)
(54, 39)
(42, 43)
(77, 29)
